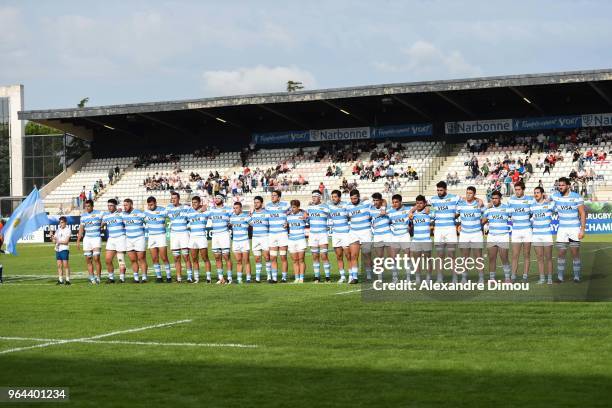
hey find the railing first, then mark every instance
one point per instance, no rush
(432, 169)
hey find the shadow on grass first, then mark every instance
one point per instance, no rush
(197, 383)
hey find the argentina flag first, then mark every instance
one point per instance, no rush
(27, 218)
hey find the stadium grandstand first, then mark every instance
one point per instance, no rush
(393, 138)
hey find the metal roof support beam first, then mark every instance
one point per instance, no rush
(411, 107)
(456, 104)
(359, 118)
(223, 120)
(108, 126)
(282, 115)
(601, 92)
(527, 100)
(161, 122)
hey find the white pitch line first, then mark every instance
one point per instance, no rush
(82, 339)
(137, 343)
(353, 291)
(27, 339)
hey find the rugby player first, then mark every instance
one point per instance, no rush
(89, 232)
(572, 224)
(134, 221)
(318, 240)
(116, 241)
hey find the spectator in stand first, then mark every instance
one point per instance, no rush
(508, 184)
(82, 198)
(110, 175)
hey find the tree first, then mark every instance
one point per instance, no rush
(293, 86)
(33, 128)
(83, 102)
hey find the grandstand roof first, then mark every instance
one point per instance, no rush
(434, 102)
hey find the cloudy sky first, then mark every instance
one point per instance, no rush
(138, 51)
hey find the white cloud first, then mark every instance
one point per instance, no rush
(254, 80)
(423, 60)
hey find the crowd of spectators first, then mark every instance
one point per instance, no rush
(505, 172)
(239, 183)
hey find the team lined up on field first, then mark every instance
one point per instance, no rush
(358, 228)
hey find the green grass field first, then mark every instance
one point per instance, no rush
(294, 345)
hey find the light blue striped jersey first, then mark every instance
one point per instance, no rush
(567, 208)
(178, 217)
(470, 216)
(297, 226)
(114, 224)
(277, 213)
(134, 223)
(520, 212)
(444, 210)
(338, 215)
(380, 223)
(240, 226)
(541, 217)
(399, 221)
(260, 223)
(219, 217)
(421, 223)
(498, 219)
(92, 222)
(196, 221)
(156, 221)
(359, 215)
(318, 215)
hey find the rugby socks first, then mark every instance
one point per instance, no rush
(560, 268)
(577, 267)
(491, 275)
(258, 271)
(92, 278)
(269, 271)
(301, 276)
(208, 275)
(507, 270)
(239, 276)
(111, 276)
(136, 279)
(122, 277)
(60, 279)
(189, 274)
(220, 274)
(168, 271)
(440, 277)
(196, 275)
(274, 274)
(157, 269)
(327, 269)
(368, 272)
(355, 273)
(284, 275)
(341, 271)
(229, 275)
(317, 269)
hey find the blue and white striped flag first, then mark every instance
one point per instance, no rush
(27, 218)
